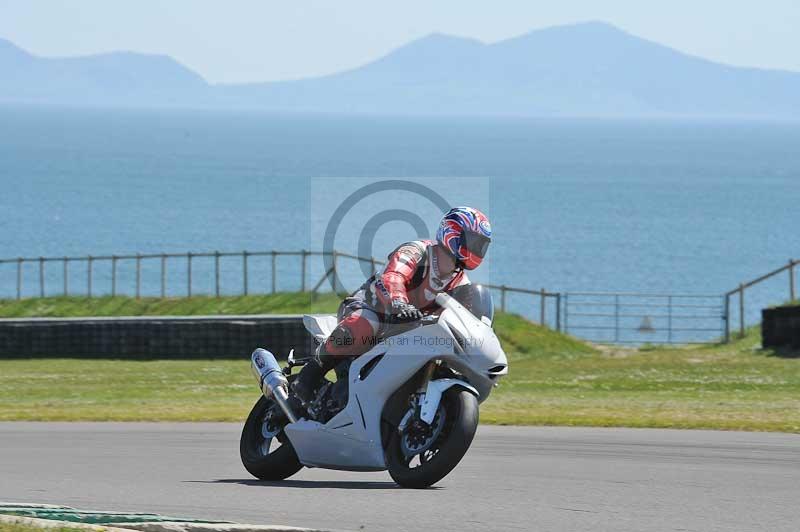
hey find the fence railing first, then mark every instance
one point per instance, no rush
(598, 316)
(792, 295)
(91, 261)
(540, 303)
(637, 318)
(101, 275)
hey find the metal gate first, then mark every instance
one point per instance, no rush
(634, 318)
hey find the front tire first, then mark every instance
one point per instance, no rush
(257, 447)
(459, 411)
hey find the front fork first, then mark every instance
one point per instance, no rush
(427, 375)
(429, 394)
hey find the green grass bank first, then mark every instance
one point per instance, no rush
(24, 527)
(64, 307)
(554, 379)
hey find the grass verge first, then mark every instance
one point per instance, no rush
(737, 386)
(62, 307)
(554, 379)
(22, 527)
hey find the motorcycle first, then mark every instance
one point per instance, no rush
(409, 405)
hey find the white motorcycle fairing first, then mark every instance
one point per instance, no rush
(433, 396)
(320, 326)
(351, 440)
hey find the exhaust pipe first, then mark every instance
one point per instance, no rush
(271, 380)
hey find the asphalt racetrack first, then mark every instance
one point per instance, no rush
(513, 478)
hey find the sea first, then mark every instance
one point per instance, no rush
(646, 206)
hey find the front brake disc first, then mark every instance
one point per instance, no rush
(417, 436)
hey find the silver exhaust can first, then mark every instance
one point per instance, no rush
(271, 380)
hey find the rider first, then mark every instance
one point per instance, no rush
(407, 286)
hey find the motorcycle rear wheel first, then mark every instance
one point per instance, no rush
(263, 462)
(459, 410)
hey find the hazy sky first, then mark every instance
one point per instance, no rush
(260, 40)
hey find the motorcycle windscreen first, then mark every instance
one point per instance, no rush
(475, 298)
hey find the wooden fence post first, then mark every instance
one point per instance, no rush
(274, 273)
(89, 262)
(303, 254)
(558, 312)
(244, 272)
(741, 310)
(792, 293)
(66, 277)
(727, 318)
(503, 298)
(138, 275)
(41, 276)
(189, 274)
(113, 275)
(216, 273)
(542, 307)
(19, 278)
(163, 275)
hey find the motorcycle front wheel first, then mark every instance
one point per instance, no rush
(422, 454)
(266, 452)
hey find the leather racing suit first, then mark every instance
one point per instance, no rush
(411, 276)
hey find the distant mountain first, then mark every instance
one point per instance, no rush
(590, 69)
(119, 78)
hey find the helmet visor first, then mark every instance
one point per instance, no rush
(476, 243)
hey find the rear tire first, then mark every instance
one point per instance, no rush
(266, 464)
(449, 447)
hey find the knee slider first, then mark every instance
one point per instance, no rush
(340, 341)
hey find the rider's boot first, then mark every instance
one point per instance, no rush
(340, 389)
(310, 377)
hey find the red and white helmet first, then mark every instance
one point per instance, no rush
(466, 233)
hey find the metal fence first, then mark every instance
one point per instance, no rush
(187, 263)
(638, 318)
(540, 305)
(90, 264)
(222, 273)
(596, 316)
(634, 318)
(740, 290)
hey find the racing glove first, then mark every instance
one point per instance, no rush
(405, 311)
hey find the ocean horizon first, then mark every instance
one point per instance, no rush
(689, 206)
